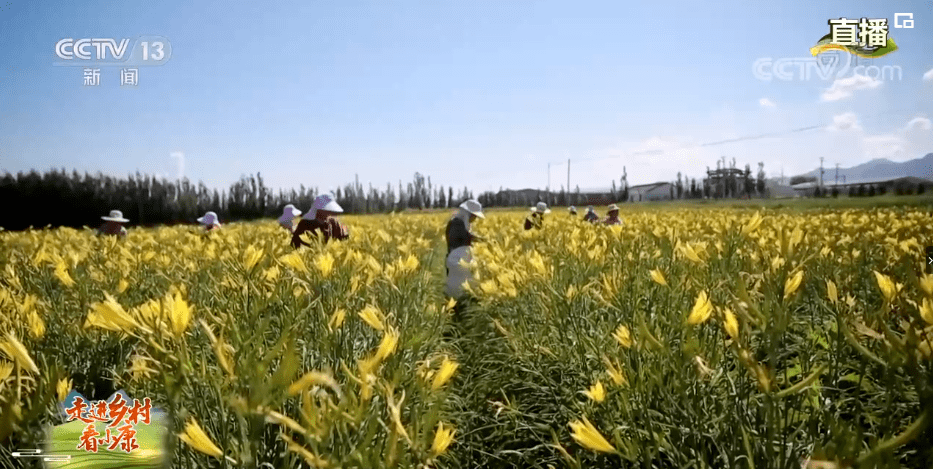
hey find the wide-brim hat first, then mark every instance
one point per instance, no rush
(572, 208)
(541, 208)
(612, 208)
(289, 212)
(115, 215)
(327, 203)
(473, 207)
(209, 218)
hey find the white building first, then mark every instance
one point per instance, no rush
(650, 192)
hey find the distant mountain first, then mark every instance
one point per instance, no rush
(880, 168)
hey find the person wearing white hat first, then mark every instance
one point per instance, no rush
(287, 220)
(113, 224)
(612, 216)
(590, 215)
(536, 219)
(459, 240)
(572, 210)
(321, 218)
(210, 221)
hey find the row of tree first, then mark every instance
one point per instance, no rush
(871, 190)
(59, 198)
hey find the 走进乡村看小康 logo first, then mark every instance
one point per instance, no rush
(866, 38)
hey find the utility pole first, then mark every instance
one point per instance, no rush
(821, 172)
(837, 174)
(548, 188)
(568, 180)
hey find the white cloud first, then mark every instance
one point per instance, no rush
(765, 102)
(928, 76)
(890, 146)
(910, 141)
(919, 123)
(845, 122)
(843, 88)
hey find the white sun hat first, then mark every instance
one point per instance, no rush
(473, 207)
(324, 202)
(541, 208)
(289, 212)
(209, 218)
(115, 215)
(572, 208)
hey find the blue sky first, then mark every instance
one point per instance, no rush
(476, 93)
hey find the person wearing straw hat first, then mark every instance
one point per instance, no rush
(210, 221)
(536, 219)
(590, 215)
(572, 210)
(287, 220)
(612, 216)
(459, 240)
(321, 219)
(113, 224)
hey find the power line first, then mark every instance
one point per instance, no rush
(657, 152)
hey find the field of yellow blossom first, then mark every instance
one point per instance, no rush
(688, 337)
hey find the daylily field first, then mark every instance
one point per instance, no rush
(689, 337)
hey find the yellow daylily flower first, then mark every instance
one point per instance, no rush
(62, 388)
(444, 373)
(831, 292)
(589, 437)
(16, 351)
(926, 310)
(61, 271)
(730, 323)
(886, 285)
(658, 277)
(443, 437)
(596, 392)
(702, 309)
(792, 284)
(372, 316)
(197, 439)
(251, 257)
(325, 264)
(387, 345)
(623, 336)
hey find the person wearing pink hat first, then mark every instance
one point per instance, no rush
(210, 221)
(113, 224)
(287, 220)
(321, 219)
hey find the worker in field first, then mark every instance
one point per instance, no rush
(210, 222)
(287, 220)
(113, 224)
(590, 215)
(572, 210)
(536, 219)
(320, 220)
(459, 239)
(612, 216)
